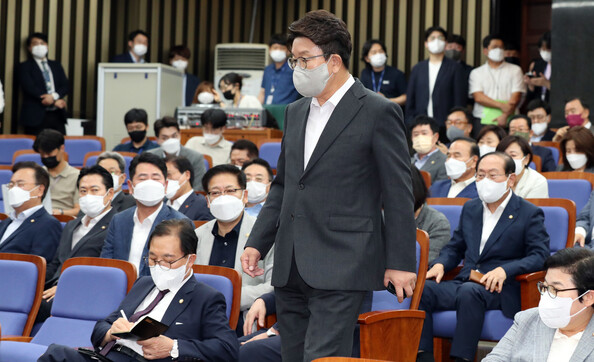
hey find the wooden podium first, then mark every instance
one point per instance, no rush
(234, 134)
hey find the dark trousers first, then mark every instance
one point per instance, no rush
(53, 119)
(262, 350)
(315, 323)
(470, 301)
(60, 353)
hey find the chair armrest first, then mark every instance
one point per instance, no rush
(270, 320)
(530, 297)
(16, 338)
(452, 273)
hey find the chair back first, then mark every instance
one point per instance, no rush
(79, 146)
(575, 186)
(270, 151)
(3, 216)
(426, 178)
(228, 282)
(207, 162)
(9, 144)
(26, 155)
(452, 213)
(5, 176)
(64, 218)
(555, 148)
(199, 223)
(560, 219)
(21, 286)
(536, 163)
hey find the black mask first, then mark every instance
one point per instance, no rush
(453, 54)
(50, 162)
(137, 136)
(228, 95)
(513, 60)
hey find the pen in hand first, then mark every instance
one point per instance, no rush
(123, 314)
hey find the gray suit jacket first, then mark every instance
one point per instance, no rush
(529, 339)
(328, 214)
(437, 226)
(435, 165)
(195, 158)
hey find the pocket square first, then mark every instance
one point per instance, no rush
(178, 323)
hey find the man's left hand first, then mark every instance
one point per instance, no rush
(494, 279)
(156, 347)
(60, 103)
(404, 282)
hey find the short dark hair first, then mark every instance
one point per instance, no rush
(367, 48)
(41, 36)
(418, 186)
(499, 132)
(467, 113)
(423, 120)
(584, 104)
(147, 157)
(48, 140)
(41, 175)
(325, 30)
(474, 148)
(520, 116)
(220, 169)
(232, 78)
(259, 161)
(435, 28)
(522, 143)
(188, 241)
(181, 50)
(487, 40)
(96, 170)
(247, 145)
(164, 122)
(137, 32)
(458, 39)
(278, 39)
(182, 164)
(109, 155)
(579, 263)
(136, 115)
(216, 118)
(538, 103)
(509, 166)
(545, 39)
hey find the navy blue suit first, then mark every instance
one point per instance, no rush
(192, 82)
(122, 58)
(546, 155)
(119, 234)
(39, 235)
(519, 244)
(195, 208)
(441, 189)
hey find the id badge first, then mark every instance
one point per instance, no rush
(269, 99)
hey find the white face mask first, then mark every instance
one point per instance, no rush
(455, 168)
(311, 82)
(556, 312)
(539, 128)
(545, 55)
(484, 149)
(39, 51)
(171, 146)
(168, 279)
(378, 60)
(577, 160)
(278, 56)
(211, 138)
(422, 144)
(490, 191)
(519, 165)
(92, 205)
(172, 187)
(226, 208)
(149, 192)
(17, 196)
(139, 49)
(180, 64)
(205, 98)
(116, 181)
(436, 46)
(496, 55)
(256, 192)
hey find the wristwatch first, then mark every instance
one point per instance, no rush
(270, 332)
(174, 351)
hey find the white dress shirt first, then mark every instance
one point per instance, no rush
(177, 203)
(133, 56)
(82, 230)
(318, 118)
(140, 234)
(457, 187)
(51, 76)
(17, 220)
(490, 220)
(433, 71)
(562, 347)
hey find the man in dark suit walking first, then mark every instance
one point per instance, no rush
(343, 156)
(44, 86)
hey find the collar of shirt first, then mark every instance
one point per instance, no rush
(134, 58)
(95, 220)
(39, 62)
(218, 145)
(233, 233)
(177, 203)
(464, 183)
(500, 208)
(151, 218)
(416, 155)
(337, 96)
(559, 335)
(25, 214)
(65, 172)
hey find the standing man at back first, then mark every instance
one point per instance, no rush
(323, 213)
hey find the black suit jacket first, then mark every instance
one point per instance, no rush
(122, 58)
(90, 245)
(192, 82)
(451, 90)
(195, 208)
(546, 155)
(33, 86)
(328, 214)
(123, 201)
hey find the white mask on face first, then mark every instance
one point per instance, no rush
(436, 46)
(171, 146)
(139, 49)
(256, 192)
(205, 98)
(545, 55)
(92, 205)
(226, 208)
(168, 279)
(211, 138)
(149, 192)
(116, 181)
(378, 60)
(490, 191)
(484, 149)
(278, 55)
(17, 196)
(556, 312)
(422, 144)
(495, 55)
(539, 128)
(311, 82)
(519, 165)
(180, 64)
(39, 51)
(172, 187)
(577, 160)
(455, 168)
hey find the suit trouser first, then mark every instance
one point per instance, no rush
(261, 350)
(470, 300)
(53, 119)
(315, 323)
(60, 353)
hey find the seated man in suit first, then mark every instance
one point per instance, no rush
(539, 113)
(500, 235)
(212, 142)
(115, 164)
(85, 235)
(222, 241)
(136, 121)
(424, 133)
(263, 345)
(462, 157)
(128, 232)
(195, 313)
(259, 176)
(520, 125)
(179, 56)
(585, 224)
(243, 151)
(29, 229)
(180, 195)
(460, 123)
(168, 137)
(138, 42)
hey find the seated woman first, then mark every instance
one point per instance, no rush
(489, 137)
(230, 85)
(529, 183)
(561, 328)
(577, 148)
(207, 94)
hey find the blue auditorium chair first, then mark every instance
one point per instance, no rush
(9, 144)
(78, 146)
(270, 151)
(225, 280)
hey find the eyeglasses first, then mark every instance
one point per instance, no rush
(538, 117)
(20, 184)
(490, 176)
(457, 122)
(218, 193)
(542, 288)
(163, 264)
(301, 61)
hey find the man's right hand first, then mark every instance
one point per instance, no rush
(47, 99)
(49, 293)
(579, 239)
(249, 262)
(560, 133)
(257, 311)
(506, 108)
(120, 325)
(436, 272)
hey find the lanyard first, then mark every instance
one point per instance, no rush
(376, 87)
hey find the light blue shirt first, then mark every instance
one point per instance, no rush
(420, 163)
(254, 210)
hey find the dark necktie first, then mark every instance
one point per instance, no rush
(46, 76)
(136, 316)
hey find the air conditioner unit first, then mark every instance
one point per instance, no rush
(246, 59)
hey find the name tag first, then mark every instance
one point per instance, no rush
(386, 82)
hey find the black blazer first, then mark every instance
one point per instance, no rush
(122, 58)
(546, 155)
(192, 82)
(451, 90)
(195, 208)
(33, 86)
(539, 67)
(123, 201)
